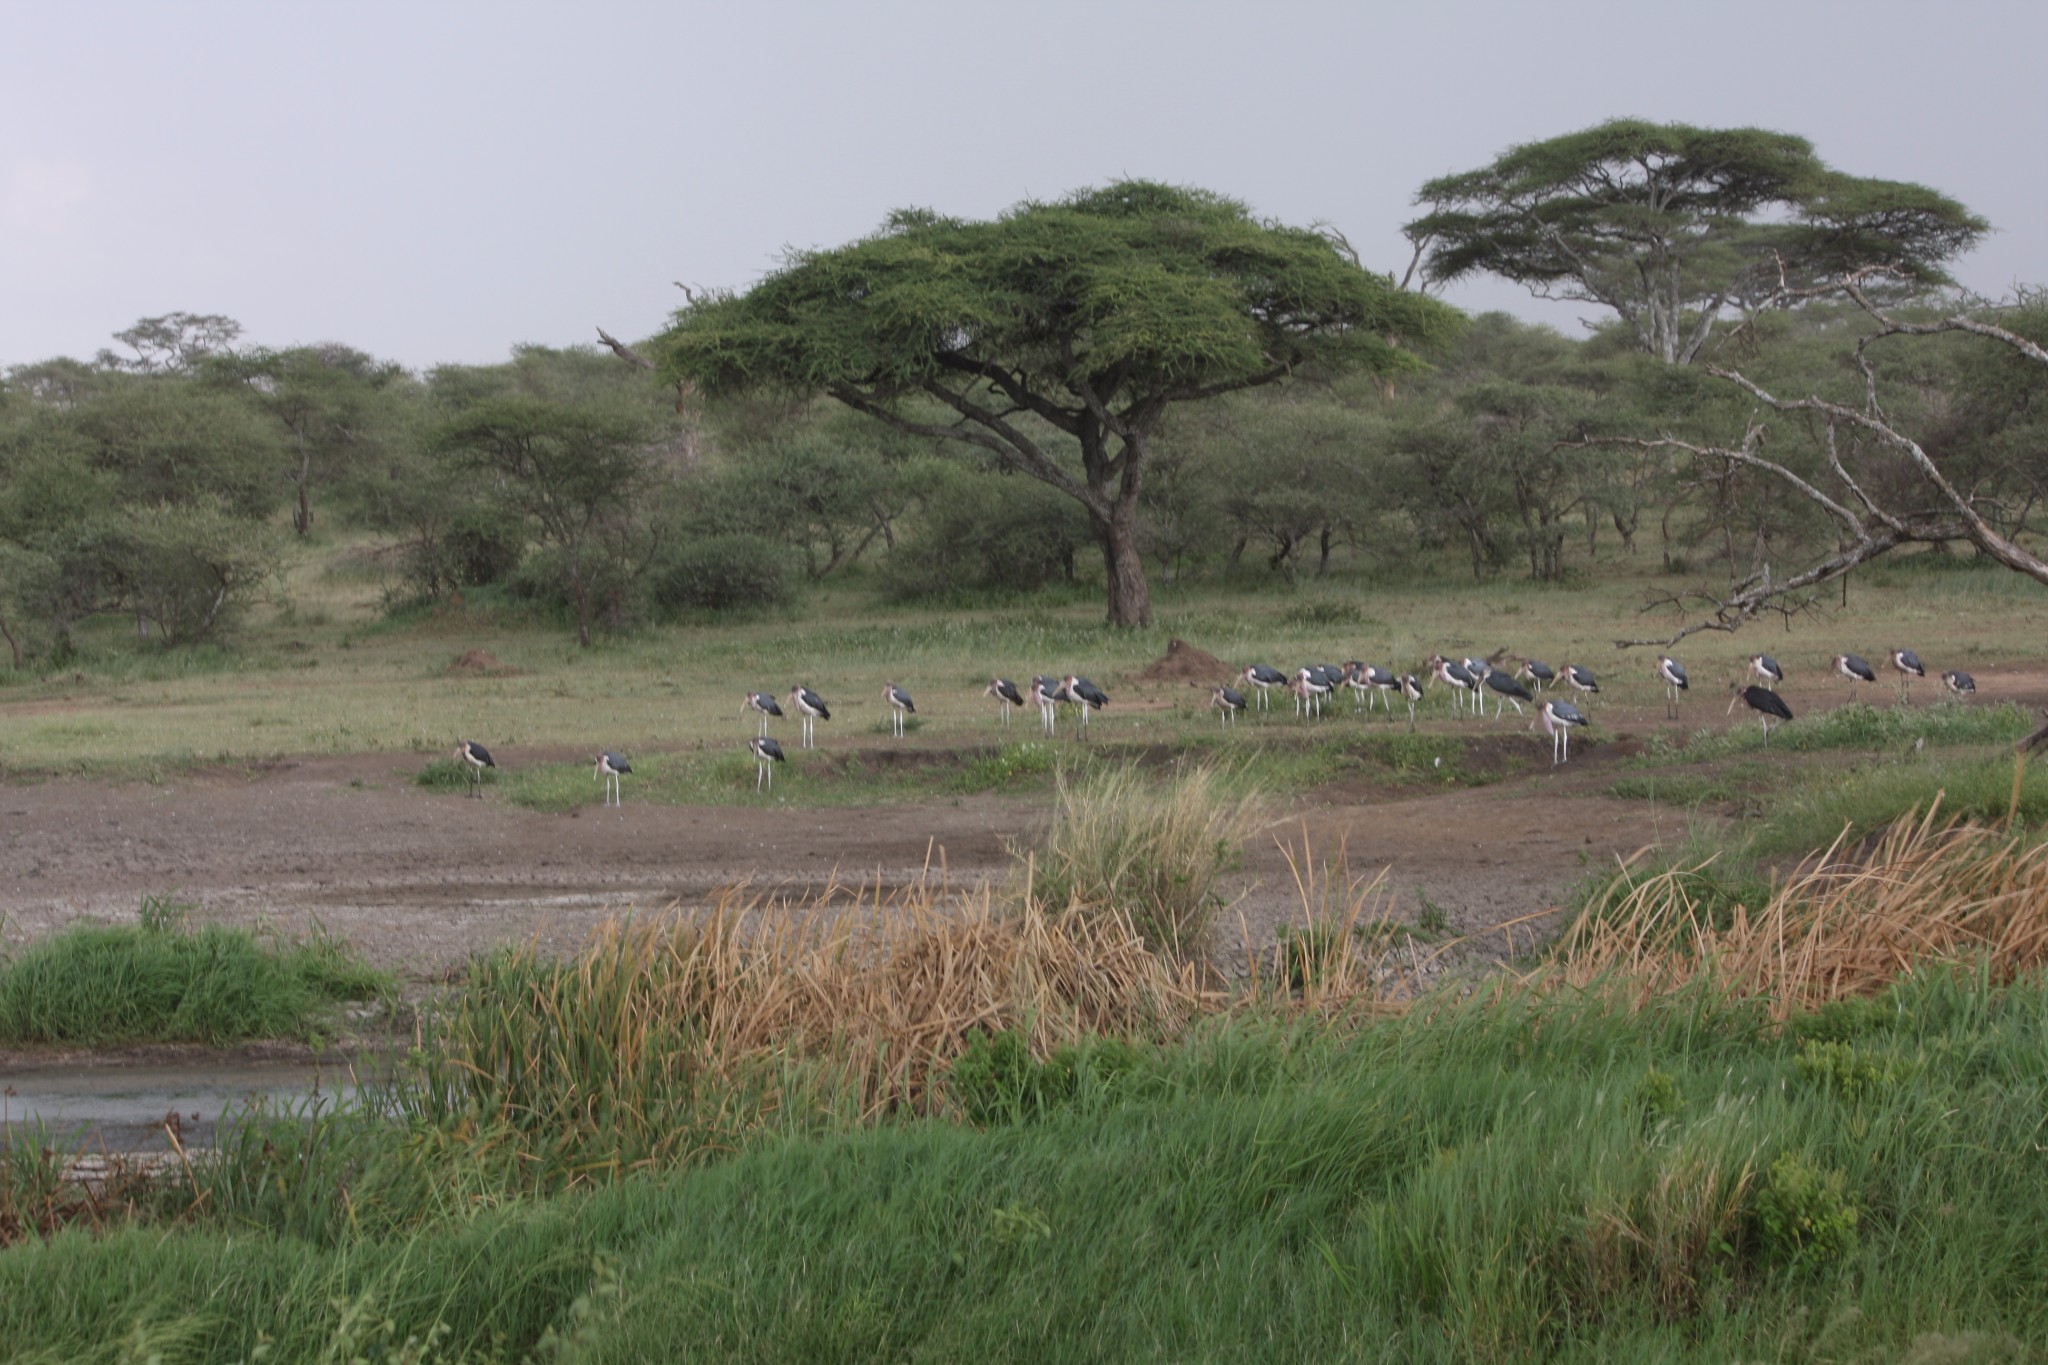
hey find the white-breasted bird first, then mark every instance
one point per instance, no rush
(900, 705)
(1227, 700)
(1856, 669)
(1959, 683)
(766, 754)
(609, 768)
(1672, 674)
(1006, 694)
(1909, 666)
(1579, 678)
(810, 708)
(762, 705)
(478, 758)
(1264, 679)
(1766, 670)
(1085, 695)
(1558, 719)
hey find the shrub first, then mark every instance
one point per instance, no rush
(1155, 854)
(721, 573)
(1805, 1214)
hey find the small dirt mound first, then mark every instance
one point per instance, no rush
(1183, 663)
(481, 661)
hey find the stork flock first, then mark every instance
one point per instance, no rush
(1467, 682)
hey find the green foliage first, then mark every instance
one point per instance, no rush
(1807, 1218)
(1852, 1072)
(453, 775)
(1028, 761)
(1669, 224)
(974, 537)
(1155, 853)
(996, 1080)
(159, 981)
(1659, 1097)
(719, 573)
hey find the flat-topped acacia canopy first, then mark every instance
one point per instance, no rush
(1055, 337)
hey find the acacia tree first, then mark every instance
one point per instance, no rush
(333, 402)
(1054, 339)
(1671, 226)
(1878, 484)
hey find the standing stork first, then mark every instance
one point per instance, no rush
(478, 758)
(1959, 683)
(1505, 689)
(1263, 678)
(1311, 685)
(762, 705)
(1006, 694)
(1766, 670)
(766, 754)
(1411, 688)
(1856, 670)
(900, 705)
(1227, 700)
(1047, 694)
(1909, 666)
(1558, 719)
(1581, 679)
(1454, 676)
(609, 767)
(1767, 704)
(1537, 672)
(1672, 674)
(811, 707)
(1084, 694)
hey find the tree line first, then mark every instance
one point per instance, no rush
(1131, 383)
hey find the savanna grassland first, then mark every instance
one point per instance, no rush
(1057, 1104)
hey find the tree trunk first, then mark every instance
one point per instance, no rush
(1130, 599)
(302, 519)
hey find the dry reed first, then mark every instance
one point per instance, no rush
(1926, 892)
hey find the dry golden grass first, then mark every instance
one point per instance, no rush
(1926, 892)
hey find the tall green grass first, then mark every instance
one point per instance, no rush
(1505, 1178)
(1152, 852)
(161, 981)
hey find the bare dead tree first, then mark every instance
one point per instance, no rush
(1867, 528)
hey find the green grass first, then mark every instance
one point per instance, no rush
(1855, 725)
(1862, 800)
(161, 981)
(1501, 1179)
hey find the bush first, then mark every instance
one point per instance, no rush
(1805, 1214)
(996, 1081)
(157, 981)
(1155, 854)
(977, 534)
(721, 573)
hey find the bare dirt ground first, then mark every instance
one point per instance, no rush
(419, 880)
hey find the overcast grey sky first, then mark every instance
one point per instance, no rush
(438, 181)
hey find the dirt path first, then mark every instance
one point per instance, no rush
(418, 880)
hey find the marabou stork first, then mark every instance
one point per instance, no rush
(1411, 688)
(1537, 672)
(1558, 719)
(900, 705)
(1084, 694)
(1227, 700)
(1006, 694)
(1766, 670)
(1672, 674)
(1856, 670)
(1580, 678)
(766, 754)
(1909, 666)
(1046, 694)
(762, 705)
(1454, 676)
(1263, 678)
(811, 708)
(1960, 684)
(1311, 685)
(1767, 704)
(478, 758)
(609, 766)
(1505, 689)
